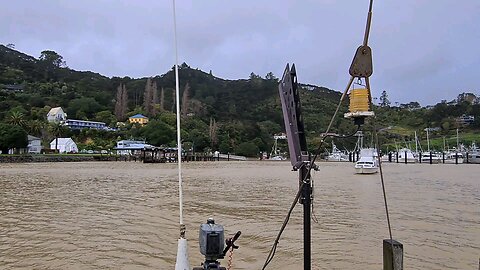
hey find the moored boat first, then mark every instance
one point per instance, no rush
(453, 157)
(367, 164)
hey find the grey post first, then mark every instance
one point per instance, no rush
(392, 259)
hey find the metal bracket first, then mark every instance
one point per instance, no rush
(362, 64)
(292, 116)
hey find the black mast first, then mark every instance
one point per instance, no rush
(297, 144)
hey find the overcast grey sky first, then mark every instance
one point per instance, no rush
(425, 50)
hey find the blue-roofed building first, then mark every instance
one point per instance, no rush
(139, 119)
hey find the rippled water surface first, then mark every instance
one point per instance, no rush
(124, 215)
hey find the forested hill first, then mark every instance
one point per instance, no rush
(229, 115)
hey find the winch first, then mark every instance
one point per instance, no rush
(213, 244)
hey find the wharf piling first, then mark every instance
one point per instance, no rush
(392, 255)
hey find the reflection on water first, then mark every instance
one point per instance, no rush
(122, 215)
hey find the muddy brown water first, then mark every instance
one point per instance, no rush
(124, 215)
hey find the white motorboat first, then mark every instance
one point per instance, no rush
(453, 157)
(433, 156)
(368, 163)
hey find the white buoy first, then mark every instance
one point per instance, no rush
(182, 255)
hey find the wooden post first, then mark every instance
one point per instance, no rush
(392, 259)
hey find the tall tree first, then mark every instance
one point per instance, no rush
(162, 100)
(384, 102)
(52, 58)
(212, 132)
(148, 98)
(121, 103)
(185, 100)
(155, 98)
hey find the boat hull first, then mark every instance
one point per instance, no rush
(362, 170)
(453, 161)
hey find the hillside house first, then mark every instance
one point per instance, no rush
(466, 119)
(56, 115)
(81, 124)
(64, 145)
(139, 119)
(13, 88)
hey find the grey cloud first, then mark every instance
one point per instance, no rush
(423, 50)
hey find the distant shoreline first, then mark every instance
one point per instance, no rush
(55, 158)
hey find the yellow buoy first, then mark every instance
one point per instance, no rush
(359, 100)
(359, 103)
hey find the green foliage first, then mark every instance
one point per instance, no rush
(248, 149)
(158, 133)
(52, 58)
(12, 136)
(83, 108)
(245, 110)
(106, 117)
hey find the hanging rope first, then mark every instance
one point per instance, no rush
(230, 259)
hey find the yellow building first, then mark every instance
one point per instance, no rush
(138, 118)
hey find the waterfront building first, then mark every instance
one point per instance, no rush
(131, 147)
(34, 145)
(64, 145)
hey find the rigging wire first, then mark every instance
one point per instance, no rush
(383, 184)
(377, 145)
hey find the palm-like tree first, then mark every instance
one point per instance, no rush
(35, 127)
(16, 118)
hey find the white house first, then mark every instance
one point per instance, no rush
(34, 145)
(64, 145)
(56, 115)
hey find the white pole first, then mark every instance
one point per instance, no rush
(182, 254)
(177, 101)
